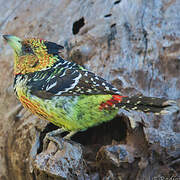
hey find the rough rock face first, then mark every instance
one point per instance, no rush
(133, 44)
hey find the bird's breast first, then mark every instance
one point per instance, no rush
(22, 92)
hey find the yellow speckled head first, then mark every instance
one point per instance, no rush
(32, 54)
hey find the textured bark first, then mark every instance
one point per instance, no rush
(133, 44)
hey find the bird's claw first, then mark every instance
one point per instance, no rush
(57, 140)
(55, 137)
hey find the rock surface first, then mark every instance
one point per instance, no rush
(133, 44)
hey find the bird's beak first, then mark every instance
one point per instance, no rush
(14, 42)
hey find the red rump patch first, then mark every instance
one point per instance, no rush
(113, 101)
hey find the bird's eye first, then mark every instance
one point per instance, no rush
(35, 64)
(27, 49)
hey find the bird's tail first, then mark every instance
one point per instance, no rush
(149, 104)
(145, 104)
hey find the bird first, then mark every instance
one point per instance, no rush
(67, 94)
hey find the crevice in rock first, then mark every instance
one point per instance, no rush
(113, 25)
(104, 133)
(144, 33)
(151, 78)
(175, 165)
(94, 137)
(111, 36)
(48, 128)
(33, 176)
(127, 27)
(145, 42)
(77, 25)
(108, 15)
(117, 2)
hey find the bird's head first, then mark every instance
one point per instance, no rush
(32, 54)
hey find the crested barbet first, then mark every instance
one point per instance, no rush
(64, 92)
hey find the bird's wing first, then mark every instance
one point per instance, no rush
(68, 82)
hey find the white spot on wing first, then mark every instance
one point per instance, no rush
(114, 89)
(76, 80)
(77, 90)
(107, 88)
(89, 90)
(51, 86)
(63, 74)
(123, 107)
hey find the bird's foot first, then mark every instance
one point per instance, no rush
(54, 136)
(68, 136)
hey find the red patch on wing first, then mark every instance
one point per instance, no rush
(113, 101)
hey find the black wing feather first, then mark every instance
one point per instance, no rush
(67, 79)
(53, 48)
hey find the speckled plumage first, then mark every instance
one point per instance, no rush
(65, 93)
(65, 111)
